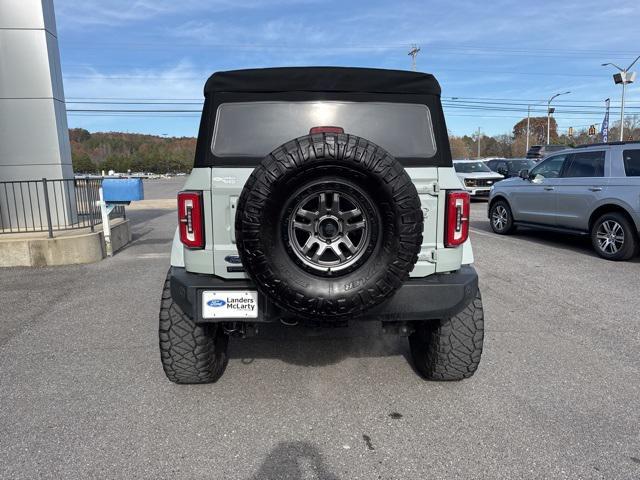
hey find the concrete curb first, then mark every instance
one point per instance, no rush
(63, 250)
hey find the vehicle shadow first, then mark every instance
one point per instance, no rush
(315, 347)
(565, 241)
(294, 460)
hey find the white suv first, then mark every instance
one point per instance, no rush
(322, 195)
(476, 177)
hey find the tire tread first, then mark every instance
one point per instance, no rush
(189, 353)
(450, 349)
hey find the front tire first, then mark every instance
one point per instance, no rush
(450, 349)
(501, 218)
(613, 237)
(190, 353)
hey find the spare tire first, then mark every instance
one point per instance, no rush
(328, 225)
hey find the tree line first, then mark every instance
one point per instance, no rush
(122, 152)
(95, 152)
(514, 145)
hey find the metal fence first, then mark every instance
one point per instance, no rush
(51, 205)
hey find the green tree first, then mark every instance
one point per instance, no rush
(82, 163)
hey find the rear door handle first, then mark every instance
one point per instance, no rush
(549, 188)
(595, 189)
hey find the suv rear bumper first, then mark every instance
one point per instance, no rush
(436, 296)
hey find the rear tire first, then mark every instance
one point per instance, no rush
(450, 349)
(623, 243)
(501, 218)
(190, 353)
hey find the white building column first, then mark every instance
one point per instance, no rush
(34, 137)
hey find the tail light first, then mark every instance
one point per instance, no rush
(457, 218)
(315, 130)
(190, 219)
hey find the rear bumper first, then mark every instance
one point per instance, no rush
(436, 296)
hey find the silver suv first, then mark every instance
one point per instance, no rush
(591, 190)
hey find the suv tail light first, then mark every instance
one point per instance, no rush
(190, 219)
(457, 218)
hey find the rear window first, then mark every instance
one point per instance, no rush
(585, 164)
(254, 129)
(632, 163)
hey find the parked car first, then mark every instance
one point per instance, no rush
(591, 190)
(326, 195)
(476, 177)
(510, 167)
(541, 151)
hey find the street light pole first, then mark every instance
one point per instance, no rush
(549, 114)
(624, 84)
(624, 77)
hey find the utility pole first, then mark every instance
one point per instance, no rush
(413, 53)
(549, 112)
(478, 134)
(529, 123)
(528, 117)
(624, 77)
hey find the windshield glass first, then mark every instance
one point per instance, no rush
(254, 129)
(471, 167)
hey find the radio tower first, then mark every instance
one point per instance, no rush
(415, 49)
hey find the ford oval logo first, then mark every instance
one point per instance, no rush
(232, 259)
(216, 302)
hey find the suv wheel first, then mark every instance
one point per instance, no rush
(501, 218)
(450, 349)
(190, 353)
(613, 237)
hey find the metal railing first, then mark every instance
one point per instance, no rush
(51, 205)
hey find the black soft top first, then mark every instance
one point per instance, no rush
(322, 79)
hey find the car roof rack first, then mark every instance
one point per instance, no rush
(602, 144)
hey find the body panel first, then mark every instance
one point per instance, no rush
(201, 261)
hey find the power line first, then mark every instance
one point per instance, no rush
(413, 53)
(519, 101)
(434, 47)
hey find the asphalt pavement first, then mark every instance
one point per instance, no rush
(557, 394)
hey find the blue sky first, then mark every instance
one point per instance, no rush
(491, 58)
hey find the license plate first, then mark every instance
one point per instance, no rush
(230, 304)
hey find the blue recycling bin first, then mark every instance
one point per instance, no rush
(122, 190)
